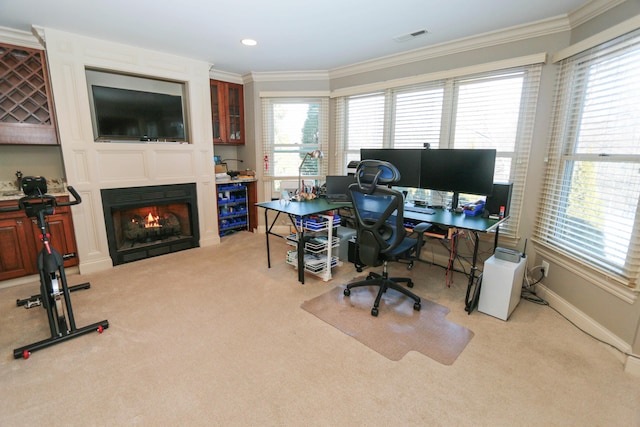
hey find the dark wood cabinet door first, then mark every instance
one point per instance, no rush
(227, 113)
(16, 253)
(235, 110)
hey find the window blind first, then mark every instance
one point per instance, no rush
(291, 128)
(589, 203)
(493, 109)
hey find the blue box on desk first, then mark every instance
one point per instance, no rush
(474, 209)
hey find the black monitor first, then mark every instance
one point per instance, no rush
(339, 184)
(458, 170)
(407, 160)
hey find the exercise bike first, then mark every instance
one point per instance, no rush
(54, 294)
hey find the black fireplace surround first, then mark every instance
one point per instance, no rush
(144, 222)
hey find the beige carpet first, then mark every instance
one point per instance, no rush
(212, 337)
(398, 328)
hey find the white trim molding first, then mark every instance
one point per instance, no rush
(590, 326)
(19, 38)
(537, 58)
(602, 37)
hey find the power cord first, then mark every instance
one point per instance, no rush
(528, 294)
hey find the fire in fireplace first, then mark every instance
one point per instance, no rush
(142, 222)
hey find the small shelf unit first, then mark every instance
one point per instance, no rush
(320, 242)
(233, 208)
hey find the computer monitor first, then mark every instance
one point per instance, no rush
(458, 170)
(339, 184)
(406, 160)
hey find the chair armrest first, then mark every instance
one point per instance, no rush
(422, 227)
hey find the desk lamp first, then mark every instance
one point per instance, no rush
(315, 154)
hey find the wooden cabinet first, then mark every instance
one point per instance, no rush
(227, 112)
(20, 242)
(16, 257)
(26, 105)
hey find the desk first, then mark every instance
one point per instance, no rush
(295, 209)
(442, 217)
(475, 224)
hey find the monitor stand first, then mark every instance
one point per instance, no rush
(454, 201)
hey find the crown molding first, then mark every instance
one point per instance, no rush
(19, 38)
(494, 38)
(225, 76)
(278, 76)
(582, 14)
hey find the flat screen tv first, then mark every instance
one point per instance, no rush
(458, 170)
(406, 160)
(130, 108)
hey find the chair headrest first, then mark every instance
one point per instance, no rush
(374, 172)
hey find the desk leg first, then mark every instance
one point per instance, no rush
(301, 252)
(268, 230)
(471, 301)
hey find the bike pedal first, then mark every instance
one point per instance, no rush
(34, 303)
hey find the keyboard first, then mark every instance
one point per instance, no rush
(338, 198)
(419, 209)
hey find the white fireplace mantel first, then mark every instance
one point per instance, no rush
(91, 166)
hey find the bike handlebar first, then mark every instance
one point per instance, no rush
(26, 200)
(76, 198)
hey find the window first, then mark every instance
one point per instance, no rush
(589, 206)
(488, 110)
(294, 127)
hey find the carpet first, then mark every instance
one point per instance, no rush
(398, 328)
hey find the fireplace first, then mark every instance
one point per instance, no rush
(143, 222)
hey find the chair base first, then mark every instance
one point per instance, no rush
(385, 282)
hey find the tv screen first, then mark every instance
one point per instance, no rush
(137, 115)
(458, 170)
(407, 160)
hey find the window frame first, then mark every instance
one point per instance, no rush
(269, 147)
(531, 72)
(553, 220)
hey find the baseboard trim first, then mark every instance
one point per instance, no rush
(589, 325)
(632, 365)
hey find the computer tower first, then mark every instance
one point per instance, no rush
(501, 286)
(501, 196)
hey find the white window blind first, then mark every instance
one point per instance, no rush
(589, 204)
(293, 127)
(418, 116)
(489, 110)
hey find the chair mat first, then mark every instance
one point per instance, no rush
(397, 329)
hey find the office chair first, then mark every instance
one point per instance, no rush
(381, 235)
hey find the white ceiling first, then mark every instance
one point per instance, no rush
(292, 35)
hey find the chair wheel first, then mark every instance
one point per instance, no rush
(374, 312)
(417, 306)
(410, 265)
(410, 283)
(347, 292)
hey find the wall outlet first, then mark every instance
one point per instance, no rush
(545, 267)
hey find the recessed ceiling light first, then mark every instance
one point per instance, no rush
(249, 42)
